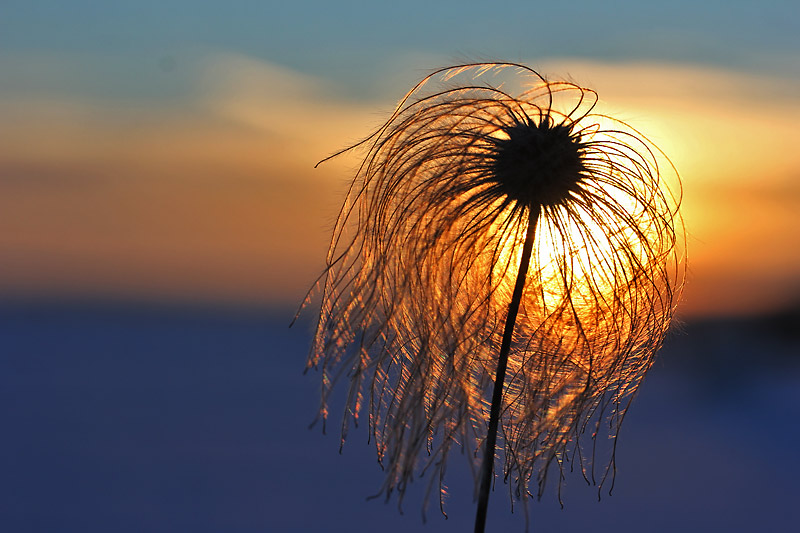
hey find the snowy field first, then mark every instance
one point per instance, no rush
(139, 418)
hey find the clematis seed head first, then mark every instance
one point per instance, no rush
(492, 188)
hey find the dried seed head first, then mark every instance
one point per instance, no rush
(424, 256)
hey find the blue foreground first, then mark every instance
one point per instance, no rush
(145, 418)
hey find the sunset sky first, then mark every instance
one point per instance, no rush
(165, 151)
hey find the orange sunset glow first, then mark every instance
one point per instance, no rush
(217, 199)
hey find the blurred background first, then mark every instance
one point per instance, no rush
(161, 220)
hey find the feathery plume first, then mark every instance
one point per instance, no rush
(504, 268)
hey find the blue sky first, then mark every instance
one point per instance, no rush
(348, 40)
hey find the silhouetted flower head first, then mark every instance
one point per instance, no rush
(424, 258)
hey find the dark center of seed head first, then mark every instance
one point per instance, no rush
(539, 164)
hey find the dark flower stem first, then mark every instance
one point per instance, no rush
(487, 468)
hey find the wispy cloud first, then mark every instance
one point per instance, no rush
(205, 188)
